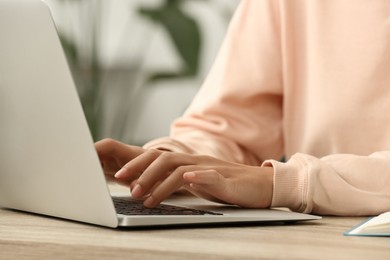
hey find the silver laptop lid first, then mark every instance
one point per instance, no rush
(48, 163)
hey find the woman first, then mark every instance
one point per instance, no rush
(305, 80)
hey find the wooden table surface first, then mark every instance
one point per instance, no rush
(28, 236)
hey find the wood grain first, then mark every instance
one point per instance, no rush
(29, 236)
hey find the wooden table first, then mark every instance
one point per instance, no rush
(30, 236)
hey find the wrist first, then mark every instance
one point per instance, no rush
(268, 185)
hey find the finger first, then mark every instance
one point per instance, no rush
(159, 169)
(108, 147)
(210, 182)
(132, 184)
(208, 176)
(112, 179)
(114, 149)
(199, 193)
(113, 154)
(137, 165)
(172, 183)
(202, 192)
(145, 196)
(109, 165)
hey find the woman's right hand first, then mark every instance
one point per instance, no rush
(114, 155)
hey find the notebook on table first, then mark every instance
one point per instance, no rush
(378, 226)
(48, 162)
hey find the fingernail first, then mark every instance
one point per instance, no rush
(189, 175)
(149, 202)
(137, 191)
(120, 173)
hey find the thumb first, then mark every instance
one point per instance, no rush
(209, 182)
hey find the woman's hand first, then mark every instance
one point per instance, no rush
(155, 174)
(114, 155)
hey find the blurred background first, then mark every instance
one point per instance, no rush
(138, 63)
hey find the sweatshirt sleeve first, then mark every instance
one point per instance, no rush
(237, 114)
(339, 184)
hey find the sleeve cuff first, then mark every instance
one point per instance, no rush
(290, 184)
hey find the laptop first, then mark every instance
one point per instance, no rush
(48, 162)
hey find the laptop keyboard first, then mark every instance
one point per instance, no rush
(128, 206)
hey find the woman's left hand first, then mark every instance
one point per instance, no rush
(162, 173)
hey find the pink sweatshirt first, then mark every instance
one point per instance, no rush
(308, 80)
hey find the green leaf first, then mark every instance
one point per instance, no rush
(168, 75)
(183, 30)
(70, 48)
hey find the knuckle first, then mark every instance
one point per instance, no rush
(183, 168)
(167, 157)
(108, 141)
(107, 144)
(153, 152)
(202, 158)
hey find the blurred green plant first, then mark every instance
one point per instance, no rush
(181, 28)
(185, 35)
(84, 60)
